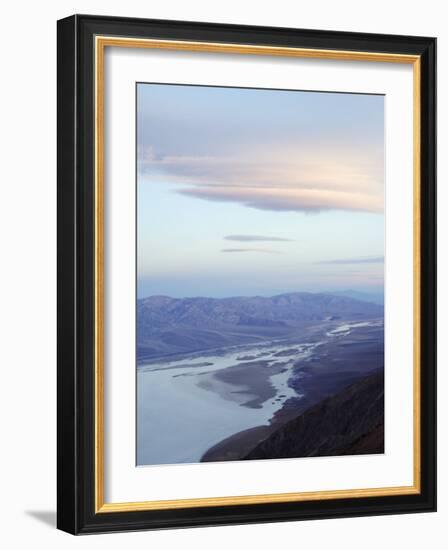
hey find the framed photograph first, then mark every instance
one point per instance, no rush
(246, 274)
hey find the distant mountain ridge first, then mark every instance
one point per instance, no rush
(364, 296)
(168, 325)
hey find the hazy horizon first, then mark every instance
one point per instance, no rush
(244, 192)
(379, 291)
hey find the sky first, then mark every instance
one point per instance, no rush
(244, 192)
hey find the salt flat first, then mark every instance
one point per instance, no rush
(186, 406)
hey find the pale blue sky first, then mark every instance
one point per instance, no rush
(258, 192)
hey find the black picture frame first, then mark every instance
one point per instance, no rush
(76, 512)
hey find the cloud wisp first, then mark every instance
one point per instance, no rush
(261, 250)
(287, 199)
(349, 261)
(277, 180)
(256, 238)
(267, 150)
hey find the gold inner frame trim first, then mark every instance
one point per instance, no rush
(101, 42)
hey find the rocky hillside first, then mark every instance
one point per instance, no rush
(350, 422)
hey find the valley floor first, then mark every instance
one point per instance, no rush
(223, 405)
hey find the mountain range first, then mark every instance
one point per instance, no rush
(374, 297)
(169, 326)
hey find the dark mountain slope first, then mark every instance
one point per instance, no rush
(350, 422)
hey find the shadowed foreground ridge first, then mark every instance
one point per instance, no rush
(350, 422)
